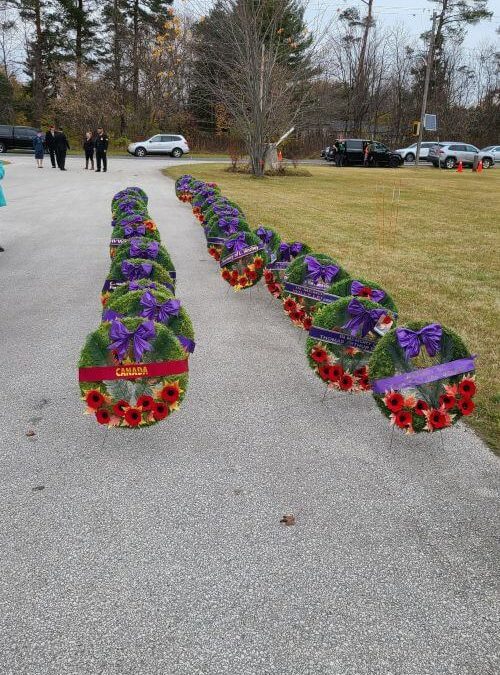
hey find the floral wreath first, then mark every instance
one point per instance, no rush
(342, 338)
(243, 258)
(183, 186)
(156, 304)
(274, 274)
(129, 192)
(134, 269)
(221, 229)
(132, 373)
(210, 213)
(128, 206)
(422, 377)
(131, 227)
(145, 248)
(205, 196)
(363, 289)
(306, 285)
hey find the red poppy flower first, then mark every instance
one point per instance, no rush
(295, 316)
(364, 382)
(258, 263)
(252, 275)
(102, 416)
(160, 411)
(268, 276)
(467, 388)
(447, 401)
(420, 406)
(394, 401)
(346, 382)
(350, 351)
(403, 419)
(325, 372)
(145, 402)
(170, 393)
(234, 274)
(133, 417)
(226, 274)
(336, 373)
(94, 399)
(436, 419)
(273, 288)
(319, 354)
(466, 406)
(307, 322)
(359, 372)
(387, 319)
(120, 406)
(243, 281)
(289, 305)
(233, 282)
(365, 292)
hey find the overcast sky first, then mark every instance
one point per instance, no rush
(414, 14)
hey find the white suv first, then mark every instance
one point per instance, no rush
(161, 144)
(408, 154)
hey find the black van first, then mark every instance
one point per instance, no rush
(351, 152)
(16, 137)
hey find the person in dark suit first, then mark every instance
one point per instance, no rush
(50, 144)
(61, 146)
(101, 149)
(88, 146)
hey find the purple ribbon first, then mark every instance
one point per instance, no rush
(424, 375)
(131, 231)
(318, 272)
(230, 226)
(363, 320)
(237, 244)
(410, 341)
(264, 235)
(122, 337)
(375, 294)
(151, 250)
(111, 315)
(133, 272)
(128, 220)
(289, 251)
(135, 286)
(187, 343)
(158, 311)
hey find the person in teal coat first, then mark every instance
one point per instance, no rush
(39, 148)
(2, 197)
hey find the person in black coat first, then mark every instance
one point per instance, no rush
(50, 144)
(101, 148)
(88, 146)
(61, 146)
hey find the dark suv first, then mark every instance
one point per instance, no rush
(351, 152)
(16, 137)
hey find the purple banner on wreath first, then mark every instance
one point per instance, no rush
(216, 240)
(248, 250)
(117, 242)
(424, 375)
(277, 266)
(311, 293)
(337, 338)
(112, 284)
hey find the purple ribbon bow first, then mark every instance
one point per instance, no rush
(429, 336)
(363, 320)
(151, 250)
(264, 235)
(230, 226)
(133, 272)
(237, 244)
(121, 338)
(135, 286)
(318, 272)
(289, 251)
(158, 311)
(131, 231)
(375, 294)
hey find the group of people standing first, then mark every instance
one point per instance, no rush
(56, 144)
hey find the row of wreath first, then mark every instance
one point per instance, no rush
(421, 375)
(133, 369)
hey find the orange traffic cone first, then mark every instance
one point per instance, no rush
(460, 167)
(480, 166)
(280, 156)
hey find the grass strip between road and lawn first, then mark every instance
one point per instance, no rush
(430, 236)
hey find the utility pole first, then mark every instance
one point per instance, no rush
(430, 59)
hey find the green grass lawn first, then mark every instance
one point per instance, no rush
(431, 237)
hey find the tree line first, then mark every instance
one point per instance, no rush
(242, 75)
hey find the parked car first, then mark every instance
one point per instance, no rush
(408, 154)
(448, 155)
(161, 144)
(12, 137)
(490, 155)
(354, 153)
